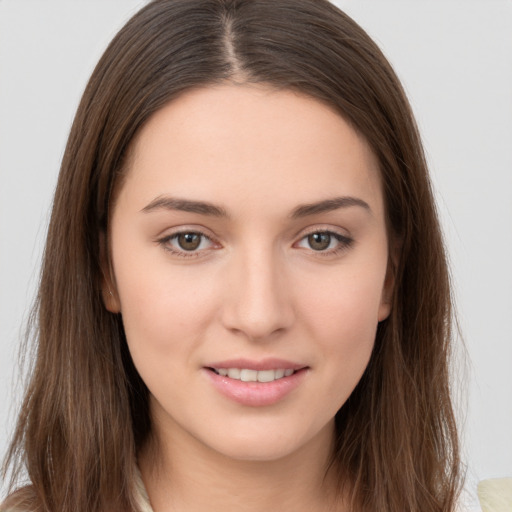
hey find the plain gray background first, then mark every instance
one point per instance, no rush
(455, 60)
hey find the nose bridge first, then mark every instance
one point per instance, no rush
(258, 302)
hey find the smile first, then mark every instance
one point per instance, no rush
(248, 375)
(256, 383)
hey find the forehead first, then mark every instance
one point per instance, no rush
(244, 143)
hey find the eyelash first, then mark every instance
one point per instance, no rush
(344, 243)
(165, 243)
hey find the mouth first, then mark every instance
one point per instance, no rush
(256, 382)
(250, 375)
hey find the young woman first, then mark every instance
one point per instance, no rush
(244, 300)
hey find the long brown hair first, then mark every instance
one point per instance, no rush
(85, 413)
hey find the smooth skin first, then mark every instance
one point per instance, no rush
(217, 253)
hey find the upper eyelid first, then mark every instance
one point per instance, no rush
(323, 229)
(175, 234)
(343, 239)
(177, 230)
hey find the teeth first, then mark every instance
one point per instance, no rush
(246, 375)
(234, 373)
(279, 374)
(266, 375)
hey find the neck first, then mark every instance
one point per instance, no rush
(186, 475)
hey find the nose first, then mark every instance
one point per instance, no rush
(258, 301)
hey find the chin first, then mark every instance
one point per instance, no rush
(271, 443)
(257, 452)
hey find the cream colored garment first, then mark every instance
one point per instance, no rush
(495, 495)
(142, 495)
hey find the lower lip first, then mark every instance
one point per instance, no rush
(256, 394)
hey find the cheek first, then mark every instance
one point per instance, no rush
(165, 317)
(342, 318)
(164, 310)
(346, 334)
(344, 303)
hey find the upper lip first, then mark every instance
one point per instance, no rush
(263, 364)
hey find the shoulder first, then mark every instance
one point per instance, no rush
(495, 495)
(25, 499)
(21, 500)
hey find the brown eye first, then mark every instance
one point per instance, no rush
(319, 241)
(189, 241)
(326, 243)
(188, 244)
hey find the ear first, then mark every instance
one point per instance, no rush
(389, 281)
(108, 285)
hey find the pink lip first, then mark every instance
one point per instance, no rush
(256, 394)
(264, 364)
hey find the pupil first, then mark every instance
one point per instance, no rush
(319, 241)
(189, 241)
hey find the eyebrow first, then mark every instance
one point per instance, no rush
(329, 205)
(206, 208)
(185, 205)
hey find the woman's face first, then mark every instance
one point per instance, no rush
(250, 255)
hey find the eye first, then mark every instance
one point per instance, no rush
(189, 241)
(186, 243)
(325, 242)
(319, 241)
